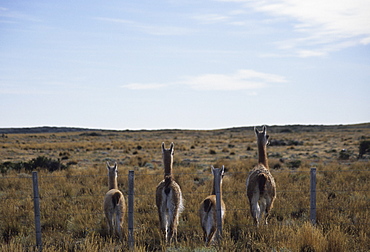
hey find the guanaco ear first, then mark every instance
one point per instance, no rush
(115, 165)
(264, 129)
(212, 169)
(108, 166)
(163, 147)
(172, 148)
(222, 170)
(256, 130)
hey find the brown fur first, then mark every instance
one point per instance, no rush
(208, 211)
(169, 199)
(261, 187)
(114, 204)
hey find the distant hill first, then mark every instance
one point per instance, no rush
(272, 128)
(44, 129)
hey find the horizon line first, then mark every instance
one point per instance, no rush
(161, 129)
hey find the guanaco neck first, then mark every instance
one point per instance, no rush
(112, 181)
(167, 163)
(214, 187)
(262, 153)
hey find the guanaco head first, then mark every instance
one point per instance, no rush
(262, 137)
(167, 155)
(219, 171)
(112, 170)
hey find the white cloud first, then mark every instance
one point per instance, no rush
(210, 18)
(310, 53)
(345, 18)
(241, 80)
(324, 26)
(144, 86)
(222, 82)
(244, 79)
(10, 16)
(152, 29)
(365, 41)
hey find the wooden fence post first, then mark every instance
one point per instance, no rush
(218, 205)
(131, 240)
(36, 203)
(313, 196)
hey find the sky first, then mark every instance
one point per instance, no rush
(183, 64)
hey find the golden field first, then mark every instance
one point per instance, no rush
(71, 199)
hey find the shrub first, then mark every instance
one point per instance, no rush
(294, 164)
(286, 131)
(41, 162)
(364, 148)
(93, 134)
(276, 142)
(344, 154)
(212, 152)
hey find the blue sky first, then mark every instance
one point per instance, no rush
(185, 64)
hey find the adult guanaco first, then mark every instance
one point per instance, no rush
(208, 210)
(114, 203)
(261, 187)
(169, 198)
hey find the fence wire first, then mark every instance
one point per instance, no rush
(142, 196)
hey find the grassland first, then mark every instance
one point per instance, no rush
(71, 199)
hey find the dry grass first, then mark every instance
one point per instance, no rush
(71, 200)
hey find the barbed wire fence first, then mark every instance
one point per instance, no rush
(138, 195)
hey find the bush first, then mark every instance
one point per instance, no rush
(286, 131)
(344, 154)
(364, 148)
(276, 142)
(35, 163)
(212, 152)
(294, 164)
(94, 134)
